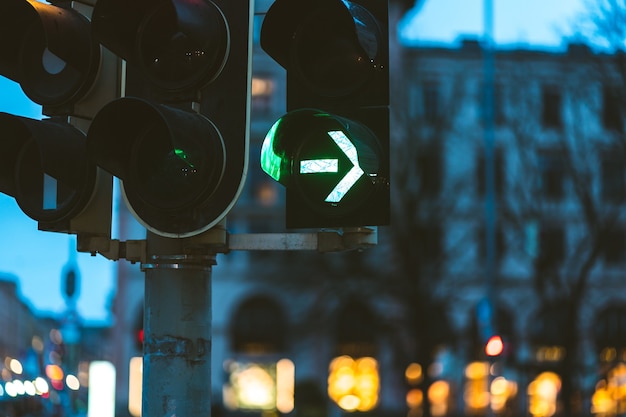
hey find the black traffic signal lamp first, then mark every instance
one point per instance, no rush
(43, 165)
(331, 150)
(180, 145)
(170, 161)
(50, 52)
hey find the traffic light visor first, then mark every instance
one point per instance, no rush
(333, 46)
(177, 44)
(169, 160)
(48, 50)
(45, 168)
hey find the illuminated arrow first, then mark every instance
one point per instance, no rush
(316, 166)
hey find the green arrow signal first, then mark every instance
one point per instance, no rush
(316, 166)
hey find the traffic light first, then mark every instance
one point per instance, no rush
(179, 140)
(331, 150)
(50, 52)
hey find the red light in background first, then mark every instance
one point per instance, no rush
(494, 346)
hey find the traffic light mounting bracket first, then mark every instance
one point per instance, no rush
(218, 240)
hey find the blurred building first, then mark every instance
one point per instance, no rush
(343, 331)
(45, 360)
(550, 284)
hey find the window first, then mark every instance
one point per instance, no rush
(498, 242)
(613, 243)
(613, 184)
(260, 188)
(499, 117)
(262, 91)
(551, 244)
(431, 103)
(429, 243)
(612, 109)
(258, 326)
(498, 172)
(429, 168)
(551, 107)
(552, 174)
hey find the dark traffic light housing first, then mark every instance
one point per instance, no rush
(180, 145)
(331, 150)
(50, 52)
(43, 165)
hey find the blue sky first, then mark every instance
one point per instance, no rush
(518, 22)
(36, 259)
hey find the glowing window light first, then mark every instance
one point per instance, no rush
(16, 366)
(83, 373)
(10, 389)
(101, 399)
(29, 388)
(41, 386)
(609, 397)
(438, 395)
(54, 372)
(255, 388)
(501, 391)
(477, 370)
(602, 401)
(37, 344)
(414, 373)
(550, 353)
(72, 382)
(354, 384)
(542, 394)
(135, 386)
(19, 387)
(349, 402)
(285, 381)
(476, 394)
(261, 87)
(414, 398)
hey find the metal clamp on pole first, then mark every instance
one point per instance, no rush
(112, 249)
(191, 262)
(353, 238)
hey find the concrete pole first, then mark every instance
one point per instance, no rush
(177, 329)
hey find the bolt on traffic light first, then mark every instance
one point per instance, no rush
(331, 150)
(179, 144)
(50, 52)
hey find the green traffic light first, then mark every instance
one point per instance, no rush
(271, 162)
(319, 166)
(331, 160)
(180, 153)
(355, 173)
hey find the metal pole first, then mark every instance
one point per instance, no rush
(490, 201)
(489, 139)
(177, 329)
